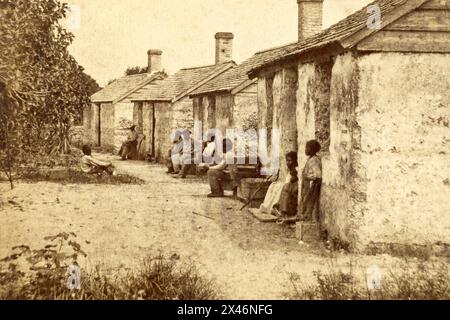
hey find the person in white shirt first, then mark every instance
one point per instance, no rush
(218, 172)
(94, 166)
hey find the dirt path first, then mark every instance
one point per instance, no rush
(118, 225)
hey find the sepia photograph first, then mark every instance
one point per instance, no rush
(224, 150)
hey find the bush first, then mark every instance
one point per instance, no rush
(43, 275)
(422, 281)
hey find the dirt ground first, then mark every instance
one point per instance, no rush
(119, 225)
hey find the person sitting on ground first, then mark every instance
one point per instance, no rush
(129, 145)
(311, 182)
(94, 166)
(219, 172)
(286, 207)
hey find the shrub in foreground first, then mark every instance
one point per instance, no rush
(411, 281)
(42, 274)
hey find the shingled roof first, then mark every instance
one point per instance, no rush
(121, 88)
(346, 33)
(238, 75)
(179, 84)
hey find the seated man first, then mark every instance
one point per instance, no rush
(219, 172)
(209, 148)
(129, 145)
(94, 166)
(173, 159)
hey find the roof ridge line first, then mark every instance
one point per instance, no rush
(208, 66)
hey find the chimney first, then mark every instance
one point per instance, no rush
(224, 47)
(309, 18)
(154, 60)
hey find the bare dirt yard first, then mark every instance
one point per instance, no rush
(118, 225)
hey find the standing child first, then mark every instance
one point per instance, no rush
(311, 182)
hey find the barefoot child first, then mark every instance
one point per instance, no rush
(94, 166)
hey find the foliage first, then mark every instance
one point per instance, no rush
(411, 281)
(37, 273)
(135, 70)
(65, 175)
(251, 122)
(42, 275)
(42, 87)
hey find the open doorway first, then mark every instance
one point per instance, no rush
(152, 130)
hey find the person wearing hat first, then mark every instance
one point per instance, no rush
(130, 144)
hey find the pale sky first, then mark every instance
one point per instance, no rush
(115, 34)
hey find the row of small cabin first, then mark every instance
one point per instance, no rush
(377, 100)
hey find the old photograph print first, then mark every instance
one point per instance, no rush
(224, 150)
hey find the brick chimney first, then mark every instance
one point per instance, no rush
(154, 60)
(224, 47)
(309, 18)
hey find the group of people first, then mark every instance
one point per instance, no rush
(282, 196)
(179, 163)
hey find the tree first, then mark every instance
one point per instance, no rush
(135, 70)
(42, 87)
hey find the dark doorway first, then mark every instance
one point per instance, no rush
(153, 129)
(98, 128)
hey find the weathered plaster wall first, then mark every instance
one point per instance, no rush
(313, 108)
(138, 118)
(147, 125)
(305, 109)
(107, 132)
(88, 131)
(122, 110)
(344, 193)
(404, 111)
(245, 109)
(163, 117)
(183, 114)
(284, 90)
(224, 112)
(262, 103)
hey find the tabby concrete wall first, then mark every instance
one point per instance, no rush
(403, 112)
(277, 105)
(123, 112)
(183, 114)
(224, 112)
(163, 130)
(147, 125)
(386, 173)
(284, 92)
(107, 126)
(313, 108)
(88, 130)
(344, 189)
(245, 108)
(265, 111)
